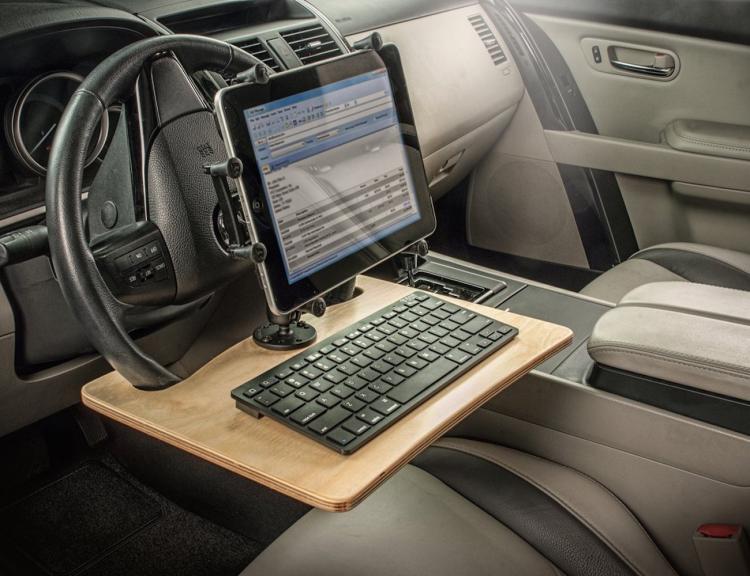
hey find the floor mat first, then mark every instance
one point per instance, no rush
(76, 520)
(99, 520)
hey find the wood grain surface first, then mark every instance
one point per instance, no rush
(199, 416)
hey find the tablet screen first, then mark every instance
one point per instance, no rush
(334, 169)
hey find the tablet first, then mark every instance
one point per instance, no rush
(333, 181)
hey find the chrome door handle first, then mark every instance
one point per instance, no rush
(648, 70)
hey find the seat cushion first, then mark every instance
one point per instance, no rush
(679, 261)
(468, 507)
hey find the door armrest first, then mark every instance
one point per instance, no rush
(710, 138)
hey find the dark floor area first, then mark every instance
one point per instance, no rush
(450, 239)
(67, 509)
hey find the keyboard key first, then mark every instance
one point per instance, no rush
(342, 391)
(397, 339)
(458, 356)
(405, 371)
(422, 380)
(353, 404)
(377, 321)
(438, 331)
(307, 413)
(380, 387)
(450, 308)
(328, 349)
(405, 351)
(341, 437)
(288, 405)
(398, 323)
(450, 342)
(462, 317)
(307, 394)
(328, 400)
(252, 390)
(428, 355)
(364, 343)
(417, 363)
(355, 426)
(448, 325)
(369, 374)
(350, 350)
(374, 353)
(335, 376)
(440, 349)
(298, 365)
(385, 406)
(282, 389)
(361, 360)
(321, 385)
(476, 325)
(400, 309)
(484, 343)
(366, 328)
(314, 357)
(385, 346)
(367, 395)
(284, 374)
(409, 317)
(470, 348)
(430, 320)
(420, 326)
(329, 420)
(442, 314)
(369, 416)
(408, 333)
(420, 297)
(376, 335)
(341, 342)
(505, 330)
(356, 382)
(393, 379)
(420, 311)
(381, 367)
(266, 399)
(296, 381)
(460, 335)
(354, 335)
(389, 315)
(387, 329)
(417, 345)
(428, 338)
(431, 304)
(311, 373)
(268, 381)
(349, 368)
(337, 357)
(325, 365)
(394, 359)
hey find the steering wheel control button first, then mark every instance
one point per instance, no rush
(108, 214)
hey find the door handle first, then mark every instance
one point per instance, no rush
(648, 70)
(662, 66)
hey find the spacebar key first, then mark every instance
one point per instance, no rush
(410, 387)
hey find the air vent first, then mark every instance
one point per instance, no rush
(311, 43)
(256, 48)
(488, 37)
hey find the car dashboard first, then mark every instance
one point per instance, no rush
(48, 48)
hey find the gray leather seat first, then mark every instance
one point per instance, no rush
(674, 262)
(467, 507)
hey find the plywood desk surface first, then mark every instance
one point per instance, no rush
(199, 416)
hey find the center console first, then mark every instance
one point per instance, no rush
(448, 276)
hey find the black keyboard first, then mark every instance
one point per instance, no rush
(350, 387)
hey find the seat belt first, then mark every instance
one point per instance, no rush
(722, 549)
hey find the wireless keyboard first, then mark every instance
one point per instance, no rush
(347, 389)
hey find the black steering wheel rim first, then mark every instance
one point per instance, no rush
(82, 285)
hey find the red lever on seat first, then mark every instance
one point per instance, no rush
(718, 530)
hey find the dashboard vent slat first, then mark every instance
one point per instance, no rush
(489, 39)
(311, 43)
(256, 48)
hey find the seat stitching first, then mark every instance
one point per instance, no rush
(689, 361)
(640, 255)
(564, 504)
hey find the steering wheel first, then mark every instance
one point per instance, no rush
(172, 254)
